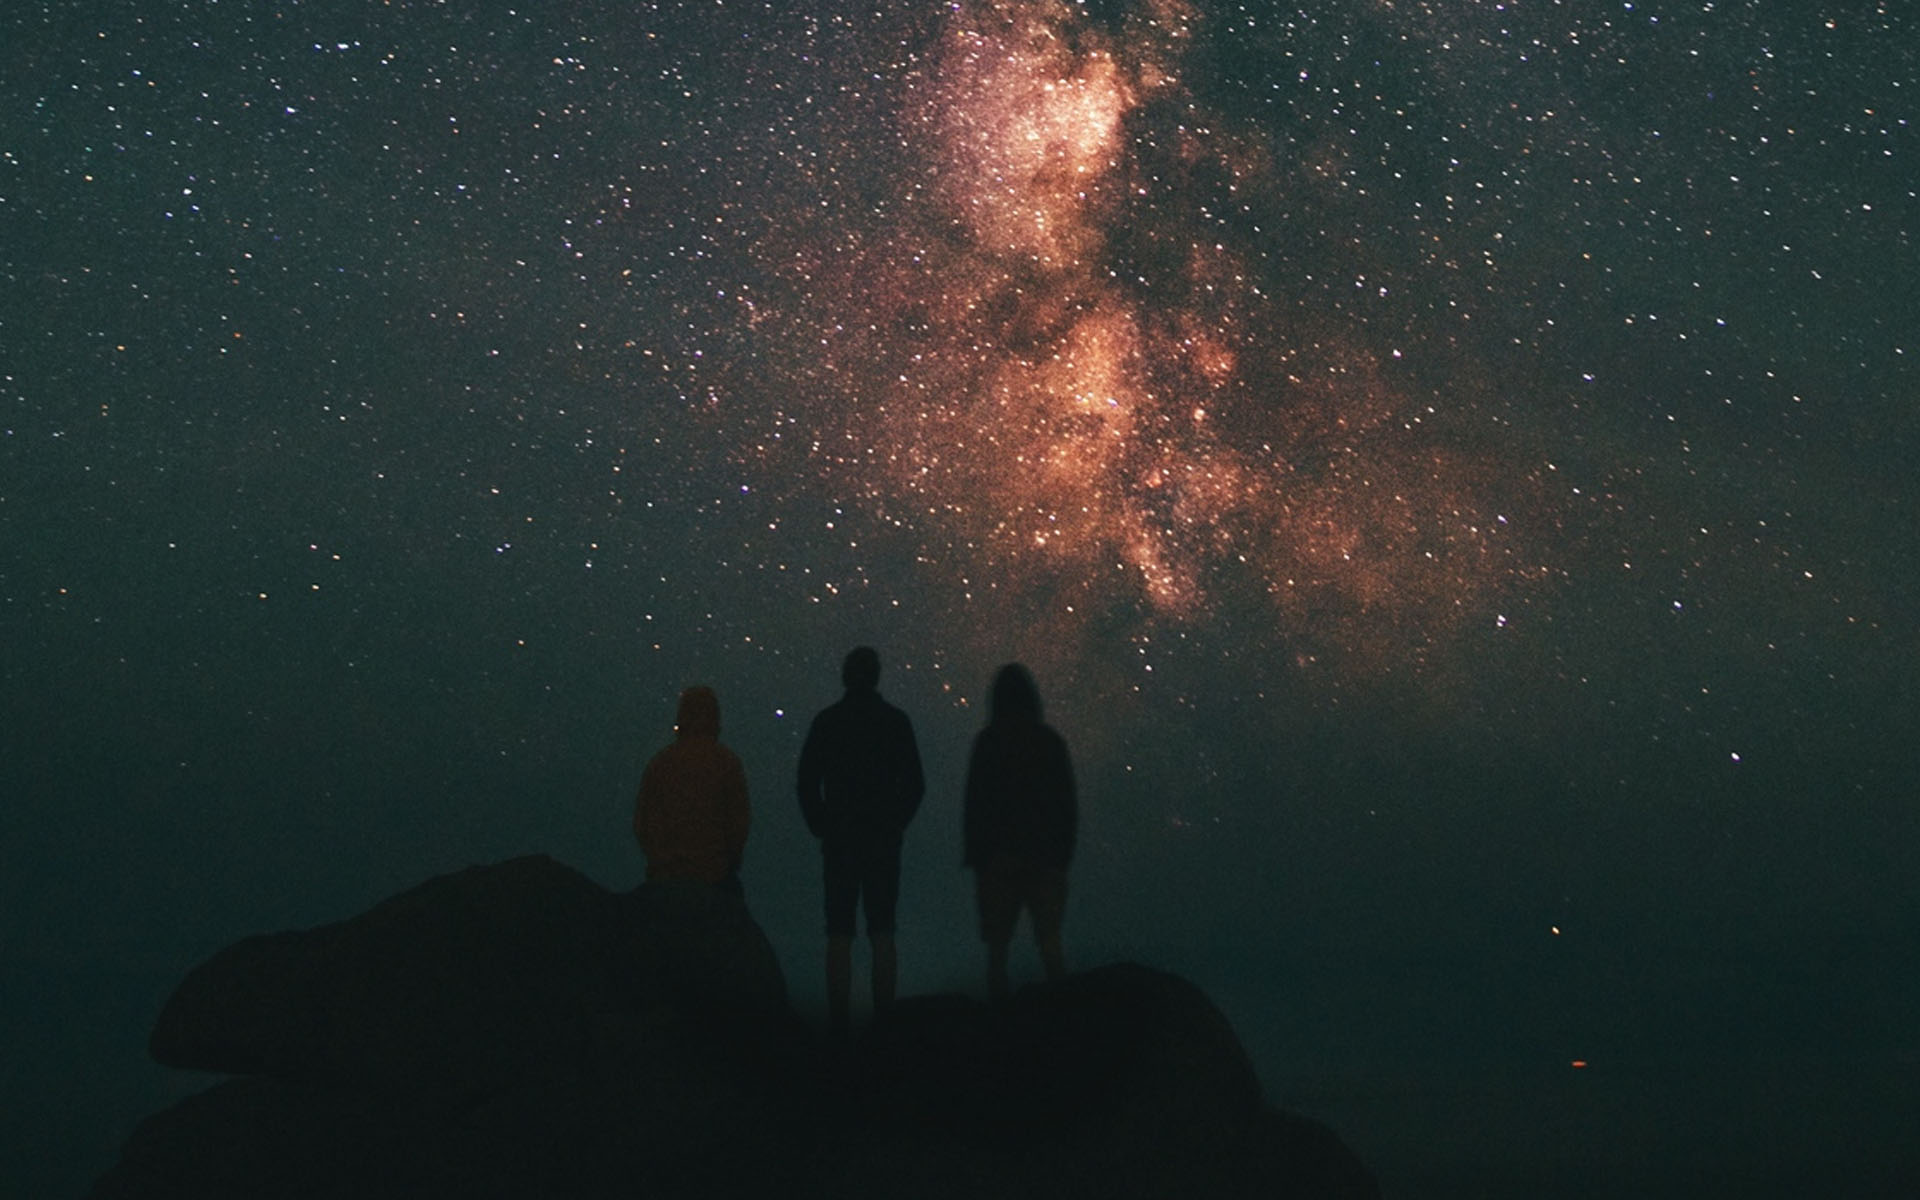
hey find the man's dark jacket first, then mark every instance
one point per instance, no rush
(860, 780)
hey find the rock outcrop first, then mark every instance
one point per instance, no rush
(516, 1030)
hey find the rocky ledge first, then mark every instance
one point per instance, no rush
(518, 1031)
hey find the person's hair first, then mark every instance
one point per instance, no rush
(1015, 696)
(861, 668)
(698, 714)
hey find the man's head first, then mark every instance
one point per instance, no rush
(860, 671)
(699, 713)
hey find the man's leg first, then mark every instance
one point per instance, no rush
(1052, 958)
(880, 889)
(886, 970)
(842, 889)
(839, 986)
(997, 986)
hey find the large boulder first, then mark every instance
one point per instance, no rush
(471, 983)
(516, 1030)
(1123, 1081)
(513, 1025)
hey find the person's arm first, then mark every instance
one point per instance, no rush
(913, 779)
(739, 813)
(807, 779)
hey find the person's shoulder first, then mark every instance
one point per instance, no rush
(870, 706)
(995, 737)
(653, 766)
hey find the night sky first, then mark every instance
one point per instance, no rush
(1448, 464)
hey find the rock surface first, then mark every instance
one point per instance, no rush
(516, 1030)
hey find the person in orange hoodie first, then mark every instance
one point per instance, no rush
(691, 814)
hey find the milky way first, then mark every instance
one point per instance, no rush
(1059, 357)
(1340, 336)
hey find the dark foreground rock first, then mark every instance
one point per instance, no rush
(517, 1030)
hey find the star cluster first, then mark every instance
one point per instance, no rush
(1341, 339)
(1056, 340)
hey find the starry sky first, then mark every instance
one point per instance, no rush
(1448, 464)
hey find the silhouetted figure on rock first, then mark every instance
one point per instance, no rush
(1021, 820)
(860, 783)
(691, 814)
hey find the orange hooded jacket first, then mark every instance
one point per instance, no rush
(691, 814)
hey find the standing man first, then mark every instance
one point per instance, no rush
(860, 784)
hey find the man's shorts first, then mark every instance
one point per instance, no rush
(1004, 888)
(867, 874)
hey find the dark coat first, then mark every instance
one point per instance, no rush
(1020, 802)
(860, 781)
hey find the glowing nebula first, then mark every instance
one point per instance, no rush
(1057, 361)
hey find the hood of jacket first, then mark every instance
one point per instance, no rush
(1015, 698)
(699, 713)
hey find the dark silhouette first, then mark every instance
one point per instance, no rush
(691, 813)
(860, 784)
(518, 1030)
(1021, 820)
